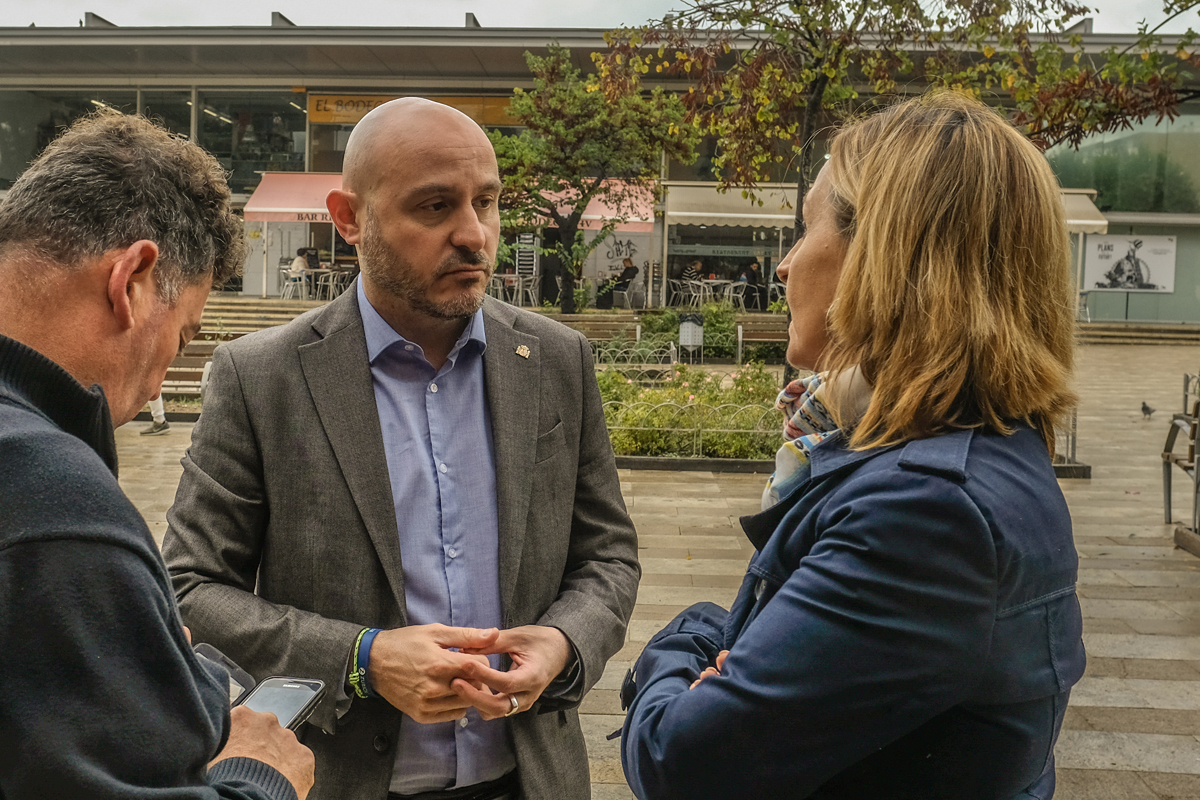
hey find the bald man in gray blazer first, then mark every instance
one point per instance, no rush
(457, 567)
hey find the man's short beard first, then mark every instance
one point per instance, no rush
(394, 274)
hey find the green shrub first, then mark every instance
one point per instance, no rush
(766, 352)
(583, 297)
(689, 412)
(661, 322)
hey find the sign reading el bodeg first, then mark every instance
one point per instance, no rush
(348, 109)
(342, 109)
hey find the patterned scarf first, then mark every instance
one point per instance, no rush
(808, 424)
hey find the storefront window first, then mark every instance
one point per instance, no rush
(253, 132)
(329, 147)
(29, 120)
(172, 110)
(723, 250)
(1149, 168)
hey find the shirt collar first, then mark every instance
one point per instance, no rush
(381, 336)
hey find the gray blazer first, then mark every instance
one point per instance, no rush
(282, 542)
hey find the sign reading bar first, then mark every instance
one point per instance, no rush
(348, 109)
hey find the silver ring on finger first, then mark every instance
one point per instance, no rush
(516, 705)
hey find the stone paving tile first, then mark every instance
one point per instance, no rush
(1096, 784)
(1183, 722)
(1132, 645)
(1164, 627)
(1135, 752)
(1142, 668)
(1128, 609)
(1173, 786)
(648, 541)
(1137, 693)
(712, 566)
(1164, 593)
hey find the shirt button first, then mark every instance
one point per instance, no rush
(442, 468)
(433, 388)
(452, 552)
(408, 347)
(462, 723)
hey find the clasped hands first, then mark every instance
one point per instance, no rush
(434, 673)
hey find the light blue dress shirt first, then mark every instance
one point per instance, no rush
(437, 436)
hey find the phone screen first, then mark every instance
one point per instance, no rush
(286, 698)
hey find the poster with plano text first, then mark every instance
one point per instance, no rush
(1129, 264)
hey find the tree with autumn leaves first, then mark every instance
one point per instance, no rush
(580, 145)
(764, 76)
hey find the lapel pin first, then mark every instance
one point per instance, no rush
(523, 351)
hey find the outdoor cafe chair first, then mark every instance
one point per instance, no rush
(289, 283)
(737, 294)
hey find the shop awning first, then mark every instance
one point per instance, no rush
(1082, 214)
(292, 197)
(702, 204)
(640, 221)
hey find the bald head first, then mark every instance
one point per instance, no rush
(402, 129)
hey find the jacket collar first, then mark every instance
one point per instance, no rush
(827, 457)
(39, 383)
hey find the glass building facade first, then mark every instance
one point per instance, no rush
(1150, 168)
(29, 120)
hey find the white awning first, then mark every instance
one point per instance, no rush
(1082, 214)
(702, 204)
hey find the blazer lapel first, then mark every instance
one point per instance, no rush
(339, 378)
(512, 374)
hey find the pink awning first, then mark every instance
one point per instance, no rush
(292, 197)
(640, 221)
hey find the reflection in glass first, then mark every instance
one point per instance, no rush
(253, 132)
(1149, 168)
(172, 110)
(30, 120)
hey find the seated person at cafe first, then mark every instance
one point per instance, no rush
(299, 263)
(627, 275)
(692, 272)
(756, 292)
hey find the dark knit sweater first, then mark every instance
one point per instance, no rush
(100, 694)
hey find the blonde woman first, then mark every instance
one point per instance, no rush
(908, 627)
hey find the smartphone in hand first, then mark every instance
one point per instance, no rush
(291, 700)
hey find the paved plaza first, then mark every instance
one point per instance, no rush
(1133, 729)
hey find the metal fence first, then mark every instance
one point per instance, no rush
(698, 429)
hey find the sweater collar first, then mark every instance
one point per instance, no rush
(31, 378)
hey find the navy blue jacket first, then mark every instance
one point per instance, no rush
(101, 696)
(908, 629)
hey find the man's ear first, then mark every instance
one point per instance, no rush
(131, 280)
(343, 208)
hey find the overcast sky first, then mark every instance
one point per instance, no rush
(1113, 16)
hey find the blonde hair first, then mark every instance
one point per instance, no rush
(955, 297)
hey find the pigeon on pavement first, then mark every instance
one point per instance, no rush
(1146, 410)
